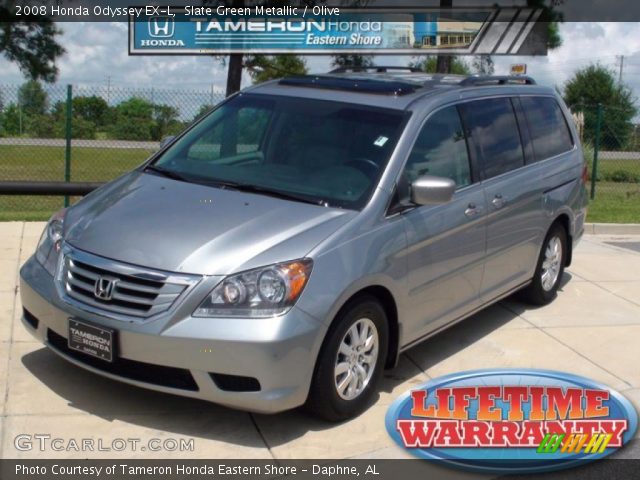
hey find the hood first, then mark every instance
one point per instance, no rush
(151, 221)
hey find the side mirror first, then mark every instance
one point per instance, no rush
(166, 141)
(429, 190)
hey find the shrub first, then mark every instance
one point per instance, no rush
(41, 126)
(623, 176)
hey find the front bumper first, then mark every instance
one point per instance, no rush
(279, 352)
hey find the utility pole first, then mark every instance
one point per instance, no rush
(234, 70)
(620, 60)
(108, 89)
(444, 62)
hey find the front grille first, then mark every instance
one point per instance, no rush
(142, 372)
(133, 292)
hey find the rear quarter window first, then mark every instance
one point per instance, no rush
(550, 134)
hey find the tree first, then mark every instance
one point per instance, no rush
(430, 65)
(133, 120)
(2, 119)
(203, 110)
(268, 67)
(483, 65)
(92, 109)
(12, 121)
(32, 98)
(80, 128)
(41, 126)
(166, 122)
(551, 18)
(595, 85)
(31, 44)
(237, 61)
(345, 60)
(234, 71)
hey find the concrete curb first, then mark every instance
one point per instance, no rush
(612, 228)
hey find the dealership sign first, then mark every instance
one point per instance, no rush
(512, 421)
(222, 30)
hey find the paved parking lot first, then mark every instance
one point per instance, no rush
(592, 329)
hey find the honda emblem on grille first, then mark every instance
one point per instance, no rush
(104, 288)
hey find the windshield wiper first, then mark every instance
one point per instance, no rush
(241, 187)
(245, 187)
(165, 173)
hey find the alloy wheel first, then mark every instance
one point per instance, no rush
(551, 264)
(356, 359)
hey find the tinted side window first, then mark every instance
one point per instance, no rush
(441, 149)
(548, 126)
(495, 136)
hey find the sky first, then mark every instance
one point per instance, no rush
(97, 54)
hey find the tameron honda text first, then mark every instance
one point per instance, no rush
(513, 421)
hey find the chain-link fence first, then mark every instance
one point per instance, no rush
(84, 134)
(94, 134)
(611, 144)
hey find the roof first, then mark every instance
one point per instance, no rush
(390, 87)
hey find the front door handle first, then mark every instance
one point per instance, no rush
(472, 211)
(498, 202)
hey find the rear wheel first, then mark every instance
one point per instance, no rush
(350, 362)
(550, 268)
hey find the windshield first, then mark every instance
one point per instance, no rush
(323, 152)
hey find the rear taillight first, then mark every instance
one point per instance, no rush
(585, 174)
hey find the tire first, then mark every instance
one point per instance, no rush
(543, 289)
(326, 400)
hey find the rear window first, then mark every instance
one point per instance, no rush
(550, 133)
(494, 134)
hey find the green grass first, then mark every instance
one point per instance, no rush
(47, 164)
(614, 203)
(87, 164)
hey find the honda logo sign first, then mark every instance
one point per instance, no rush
(104, 288)
(161, 27)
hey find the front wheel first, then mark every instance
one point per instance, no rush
(351, 361)
(550, 268)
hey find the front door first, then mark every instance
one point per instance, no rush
(446, 243)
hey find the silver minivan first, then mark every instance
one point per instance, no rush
(288, 247)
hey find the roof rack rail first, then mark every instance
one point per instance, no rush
(476, 80)
(376, 68)
(361, 85)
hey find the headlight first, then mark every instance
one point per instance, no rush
(51, 242)
(263, 292)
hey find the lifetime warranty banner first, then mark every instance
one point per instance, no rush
(334, 30)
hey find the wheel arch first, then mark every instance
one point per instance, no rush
(388, 303)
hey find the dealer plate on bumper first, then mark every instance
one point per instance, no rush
(91, 340)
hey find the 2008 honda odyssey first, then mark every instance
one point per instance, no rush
(288, 246)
